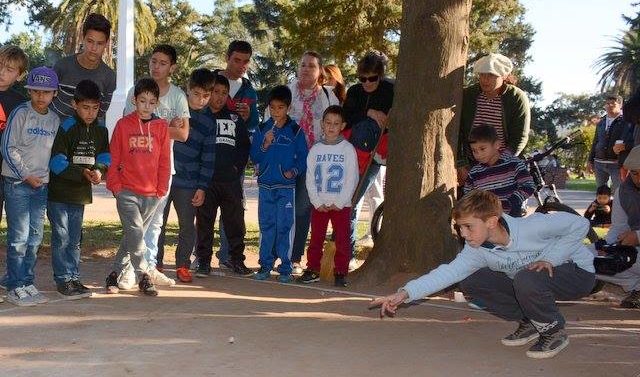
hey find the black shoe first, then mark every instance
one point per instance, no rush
(203, 271)
(308, 276)
(524, 334)
(549, 345)
(84, 291)
(340, 280)
(240, 269)
(146, 286)
(632, 301)
(112, 283)
(226, 264)
(68, 291)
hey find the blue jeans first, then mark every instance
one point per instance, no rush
(367, 180)
(605, 171)
(303, 219)
(66, 231)
(152, 232)
(25, 207)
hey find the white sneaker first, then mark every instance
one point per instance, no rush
(158, 278)
(38, 297)
(353, 264)
(20, 297)
(366, 241)
(127, 278)
(296, 269)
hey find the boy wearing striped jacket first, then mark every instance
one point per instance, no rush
(501, 173)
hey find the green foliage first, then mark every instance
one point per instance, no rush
(620, 65)
(567, 113)
(33, 46)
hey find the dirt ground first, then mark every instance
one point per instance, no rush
(230, 326)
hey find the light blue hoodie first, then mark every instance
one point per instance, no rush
(556, 238)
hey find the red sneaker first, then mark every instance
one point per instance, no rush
(184, 275)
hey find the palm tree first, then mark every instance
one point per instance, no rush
(70, 15)
(620, 66)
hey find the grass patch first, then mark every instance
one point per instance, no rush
(102, 238)
(581, 184)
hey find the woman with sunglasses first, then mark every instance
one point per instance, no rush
(370, 99)
(494, 101)
(309, 101)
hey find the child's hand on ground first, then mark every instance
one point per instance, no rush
(541, 265)
(389, 304)
(628, 238)
(289, 174)
(198, 198)
(33, 181)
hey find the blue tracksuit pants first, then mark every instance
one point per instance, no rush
(276, 216)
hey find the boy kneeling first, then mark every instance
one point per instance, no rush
(518, 267)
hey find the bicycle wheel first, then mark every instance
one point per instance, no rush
(376, 221)
(550, 206)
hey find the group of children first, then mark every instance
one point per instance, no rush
(190, 150)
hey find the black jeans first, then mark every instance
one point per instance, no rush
(529, 295)
(228, 197)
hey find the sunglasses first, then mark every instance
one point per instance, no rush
(364, 79)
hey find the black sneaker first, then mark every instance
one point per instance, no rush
(203, 271)
(340, 280)
(308, 276)
(84, 291)
(549, 345)
(524, 334)
(112, 283)
(146, 286)
(240, 269)
(68, 291)
(632, 301)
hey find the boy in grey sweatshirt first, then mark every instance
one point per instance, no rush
(518, 267)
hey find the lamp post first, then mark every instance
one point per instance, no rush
(124, 63)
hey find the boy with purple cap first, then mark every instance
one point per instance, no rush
(26, 147)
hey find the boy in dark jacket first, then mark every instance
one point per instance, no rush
(79, 158)
(225, 189)
(279, 150)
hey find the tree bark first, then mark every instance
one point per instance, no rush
(416, 232)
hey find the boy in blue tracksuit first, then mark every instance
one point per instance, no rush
(518, 267)
(279, 150)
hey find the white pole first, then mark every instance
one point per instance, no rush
(124, 63)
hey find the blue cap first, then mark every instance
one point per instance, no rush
(42, 78)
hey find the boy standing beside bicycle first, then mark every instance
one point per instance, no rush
(503, 174)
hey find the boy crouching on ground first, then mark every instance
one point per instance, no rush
(139, 177)
(79, 158)
(518, 267)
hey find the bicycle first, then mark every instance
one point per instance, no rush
(545, 194)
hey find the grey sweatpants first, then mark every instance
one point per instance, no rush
(529, 295)
(135, 213)
(629, 279)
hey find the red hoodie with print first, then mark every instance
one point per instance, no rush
(140, 156)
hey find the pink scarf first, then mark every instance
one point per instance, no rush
(306, 121)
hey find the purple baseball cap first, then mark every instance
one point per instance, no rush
(42, 78)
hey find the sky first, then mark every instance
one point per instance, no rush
(570, 35)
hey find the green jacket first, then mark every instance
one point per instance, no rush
(77, 147)
(516, 117)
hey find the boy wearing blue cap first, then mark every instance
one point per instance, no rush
(26, 147)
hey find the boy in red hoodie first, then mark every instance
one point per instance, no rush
(138, 178)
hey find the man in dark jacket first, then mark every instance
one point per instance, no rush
(611, 130)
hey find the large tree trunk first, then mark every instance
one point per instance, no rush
(421, 180)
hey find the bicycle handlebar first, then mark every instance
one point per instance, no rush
(564, 142)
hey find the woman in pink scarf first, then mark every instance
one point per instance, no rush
(309, 101)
